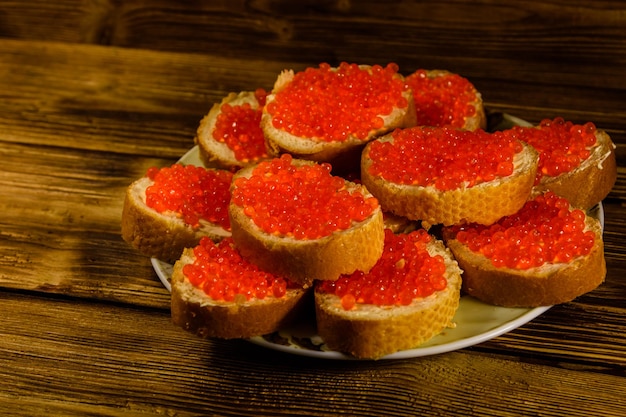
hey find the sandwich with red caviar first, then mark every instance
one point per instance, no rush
(547, 253)
(443, 98)
(327, 114)
(575, 161)
(409, 296)
(449, 176)
(217, 293)
(294, 219)
(230, 135)
(171, 208)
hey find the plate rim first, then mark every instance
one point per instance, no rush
(417, 352)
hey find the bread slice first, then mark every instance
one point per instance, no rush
(443, 98)
(590, 182)
(160, 235)
(217, 153)
(338, 153)
(306, 260)
(193, 310)
(482, 203)
(549, 284)
(371, 331)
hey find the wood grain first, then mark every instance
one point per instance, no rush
(174, 373)
(92, 93)
(565, 52)
(61, 225)
(138, 98)
(134, 101)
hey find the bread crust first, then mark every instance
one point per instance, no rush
(591, 182)
(160, 235)
(304, 261)
(371, 331)
(540, 286)
(484, 203)
(197, 313)
(212, 152)
(340, 154)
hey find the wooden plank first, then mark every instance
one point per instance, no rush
(526, 31)
(86, 358)
(590, 334)
(518, 41)
(63, 20)
(60, 231)
(86, 327)
(150, 103)
(172, 84)
(102, 98)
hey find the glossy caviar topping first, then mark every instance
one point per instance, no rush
(192, 192)
(442, 100)
(545, 231)
(303, 202)
(562, 145)
(406, 271)
(221, 272)
(446, 158)
(330, 104)
(239, 127)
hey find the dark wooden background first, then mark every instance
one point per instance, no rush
(93, 92)
(562, 50)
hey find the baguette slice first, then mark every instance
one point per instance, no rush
(443, 98)
(339, 153)
(195, 311)
(548, 284)
(484, 203)
(371, 331)
(215, 151)
(161, 235)
(305, 260)
(588, 183)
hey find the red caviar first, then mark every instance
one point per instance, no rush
(442, 100)
(446, 158)
(562, 145)
(545, 231)
(194, 193)
(303, 202)
(221, 272)
(239, 127)
(406, 271)
(330, 104)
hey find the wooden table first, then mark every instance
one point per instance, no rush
(94, 93)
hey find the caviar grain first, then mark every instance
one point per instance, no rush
(545, 231)
(446, 158)
(223, 275)
(300, 201)
(562, 145)
(192, 192)
(442, 100)
(239, 127)
(405, 272)
(331, 104)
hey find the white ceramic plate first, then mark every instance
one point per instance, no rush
(475, 322)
